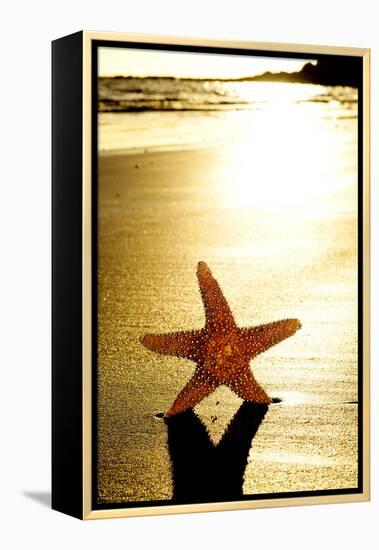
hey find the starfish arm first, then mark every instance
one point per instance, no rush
(217, 311)
(181, 344)
(198, 387)
(246, 387)
(258, 339)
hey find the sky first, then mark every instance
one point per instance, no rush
(136, 62)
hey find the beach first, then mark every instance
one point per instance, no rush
(279, 232)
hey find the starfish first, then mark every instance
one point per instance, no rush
(221, 350)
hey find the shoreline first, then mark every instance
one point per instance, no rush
(173, 148)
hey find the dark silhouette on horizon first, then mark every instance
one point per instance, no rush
(202, 471)
(334, 71)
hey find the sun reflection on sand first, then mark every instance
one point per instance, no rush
(272, 169)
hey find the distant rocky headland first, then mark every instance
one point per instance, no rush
(328, 72)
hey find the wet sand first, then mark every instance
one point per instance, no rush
(162, 212)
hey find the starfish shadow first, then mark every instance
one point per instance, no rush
(202, 471)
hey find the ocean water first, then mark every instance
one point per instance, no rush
(130, 94)
(267, 196)
(139, 113)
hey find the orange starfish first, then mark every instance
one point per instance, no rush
(221, 350)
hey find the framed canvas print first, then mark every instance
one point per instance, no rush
(210, 275)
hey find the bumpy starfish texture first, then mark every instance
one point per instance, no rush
(221, 350)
